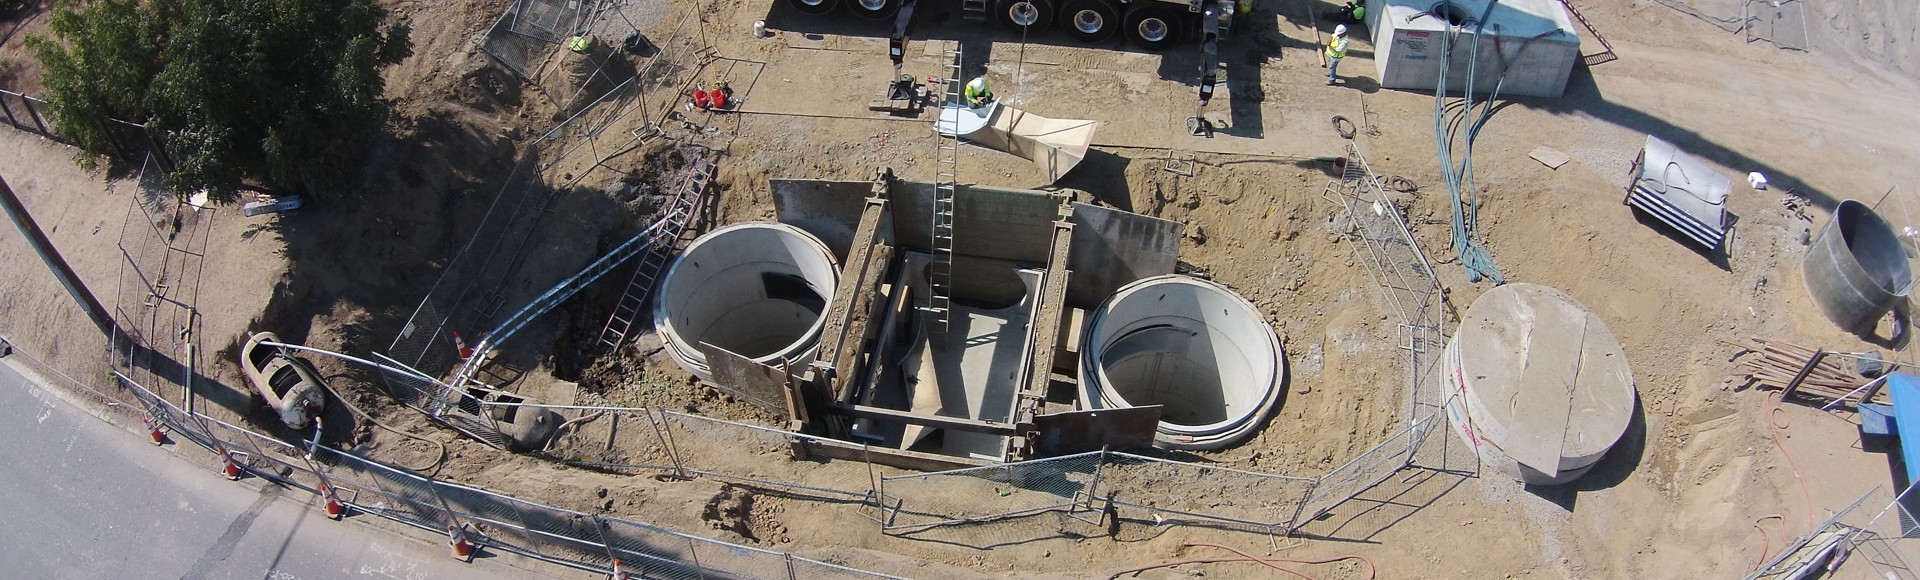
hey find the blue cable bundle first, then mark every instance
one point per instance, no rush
(1459, 179)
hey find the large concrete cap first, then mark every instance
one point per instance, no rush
(1548, 383)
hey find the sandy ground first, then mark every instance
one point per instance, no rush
(1678, 498)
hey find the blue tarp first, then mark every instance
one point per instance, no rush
(1905, 390)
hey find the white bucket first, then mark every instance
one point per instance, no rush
(759, 29)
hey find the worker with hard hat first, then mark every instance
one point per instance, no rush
(1352, 12)
(977, 93)
(1336, 50)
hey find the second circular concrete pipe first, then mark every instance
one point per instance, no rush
(756, 289)
(1196, 348)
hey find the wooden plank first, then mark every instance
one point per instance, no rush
(1804, 371)
(1049, 315)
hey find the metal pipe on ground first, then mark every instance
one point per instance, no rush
(44, 247)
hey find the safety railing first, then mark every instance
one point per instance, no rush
(490, 520)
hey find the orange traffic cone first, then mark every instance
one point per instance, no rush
(153, 430)
(618, 574)
(462, 548)
(461, 347)
(335, 509)
(227, 466)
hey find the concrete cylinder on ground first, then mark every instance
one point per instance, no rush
(1537, 384)
(755, 289)
(1196, 348)
(1856, 268)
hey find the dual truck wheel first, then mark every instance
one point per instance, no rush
(1149, 25)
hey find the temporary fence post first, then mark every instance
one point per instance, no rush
(666, 442)
(693, 553)
(790, 573)
(435, 490)
(335, 508)
(1293, 523)
(35, 113)
(9, 110)
(1093, 486)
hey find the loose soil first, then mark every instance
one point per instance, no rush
(1677, 498)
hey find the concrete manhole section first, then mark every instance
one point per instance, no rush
(755, 289)
(1194, 347)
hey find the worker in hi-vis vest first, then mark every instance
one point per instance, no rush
(1336, 50)
(977, 93)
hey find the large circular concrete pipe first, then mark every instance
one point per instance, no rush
(1196, 348)
(1857, 268)
(755, 289)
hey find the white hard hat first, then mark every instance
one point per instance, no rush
(978, 83)
(1340, 30)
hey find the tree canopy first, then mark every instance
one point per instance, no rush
(275, 95)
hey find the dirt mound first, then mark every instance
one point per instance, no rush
(735, 509)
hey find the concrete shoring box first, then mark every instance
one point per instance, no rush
(1533, 39)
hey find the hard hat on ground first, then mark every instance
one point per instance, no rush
(1340, 30)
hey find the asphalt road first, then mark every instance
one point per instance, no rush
(82, 498)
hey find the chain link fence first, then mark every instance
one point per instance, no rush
(163, 249)
(529, 29)
(1782, 23)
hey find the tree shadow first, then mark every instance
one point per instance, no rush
(1371, 512)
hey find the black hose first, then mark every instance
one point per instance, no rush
(1402, 184)
(1344, 127)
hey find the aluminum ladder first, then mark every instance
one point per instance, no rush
(678, 213)
(947, 171)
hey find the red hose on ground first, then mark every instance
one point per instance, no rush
(1765, 536)
(1372, 570)
(1774, 427)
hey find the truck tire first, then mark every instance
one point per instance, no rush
(1153, 27)
(1090, 21)
(1030, 16)
(874, 9)
(813, 6)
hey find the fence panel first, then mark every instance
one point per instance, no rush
(266, 456)
(763, 457)
(385, 491)
(528, 528)
(1365, 471)
(627, 441)
(987, 493)
(744, 561)
(651, 552)
(164, 413)
(816, 570)
(1235, 498)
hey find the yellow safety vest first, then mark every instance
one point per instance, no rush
(1337, 47)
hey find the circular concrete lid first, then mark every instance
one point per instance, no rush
(1548, 382)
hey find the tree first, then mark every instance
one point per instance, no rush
(268, 95)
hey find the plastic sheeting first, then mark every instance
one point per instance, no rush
(1055, 145)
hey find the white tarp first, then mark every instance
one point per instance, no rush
(1055, 145)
